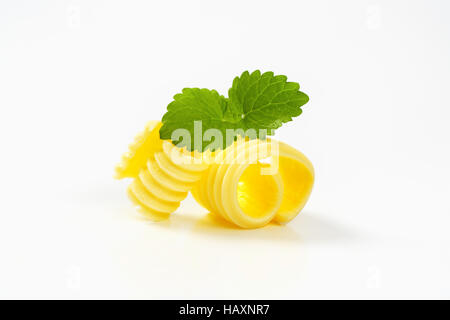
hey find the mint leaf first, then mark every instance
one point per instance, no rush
(256, 101)
(265, 101)
(191, 105)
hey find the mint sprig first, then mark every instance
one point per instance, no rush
(262, 102)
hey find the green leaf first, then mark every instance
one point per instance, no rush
(192, 105)
(265, 101)
(256, 101)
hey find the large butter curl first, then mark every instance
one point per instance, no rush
(249, 184)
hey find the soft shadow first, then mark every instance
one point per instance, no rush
(98, 195)
(307, 228)
(212, 226)
(314, 228)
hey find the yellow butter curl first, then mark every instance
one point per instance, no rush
(249, 184)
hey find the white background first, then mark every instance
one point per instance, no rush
(78, 79)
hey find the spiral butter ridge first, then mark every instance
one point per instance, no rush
(218, 190)
(162, 184)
